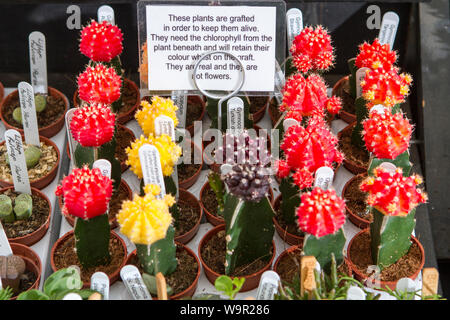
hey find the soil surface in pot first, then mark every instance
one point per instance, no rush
(273, 106)
(355, 199)
(213, 253)
(292, 228)
(185, 171)
(39, 216)
(123, 140)
(66, 256)
(343, 91)
(256, 103)
(183, 276)
(352, 152)
(361, 256)
(47, 162)
(54, 110)
(27, 279)
(209, 201)
(194, 111)
(187, 218)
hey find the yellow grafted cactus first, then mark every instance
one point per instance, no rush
(145, 220)
(147, 114)
(169, 152)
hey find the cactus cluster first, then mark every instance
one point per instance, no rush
(22, 208)
(375, 56)
(148, 112)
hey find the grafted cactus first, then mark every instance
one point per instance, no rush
(148, 112)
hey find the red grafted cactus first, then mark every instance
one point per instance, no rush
(312, 50)
(375, 55)
(385, 87)
(86, 193)
(321, 212)
(393, 194)
(99, 84)
(101, 42)
(93, 125)
(387, 135)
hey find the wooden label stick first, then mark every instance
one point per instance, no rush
(430, 280)
(161, 286)
(307, 279)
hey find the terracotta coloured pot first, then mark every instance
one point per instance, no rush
(381, 284)
(189, 292)
(113, 277)
(202, 101)
(48, 131)
(353, 217)
(186, 184)
(251, 281)
(122, 118)
(32, 262)
(350, 165)
(258, 115)
(38, 234)
(188, 197)
(40, 183)
(290, 238)
(344, 115)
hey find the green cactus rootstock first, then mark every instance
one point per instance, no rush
(352, 77)
(290, 200)
(249, 231)
(92, 241)
(361, 114)
(6, 209)
(160, 256)
(217, 186)
(402, 161)
(390, 237)
(211, 108)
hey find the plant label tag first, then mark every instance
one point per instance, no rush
(70, 140)
(355, 293)
(389, 167)
(430, 280)
(105, 13)
(17, 162)
(29, 116)
(161, 286)
(134, 283)
(5, 248)
(38, 62)
(72, 296)
(379, 108)
(268, 285)
(307, 279)
(104, 166)
(406, 285)
(151, 167)
(100, 283)
(279, 83)
(388, 29)
(287, 123)
(225, 168)
(235, 116)
(324, 178)
(360, 74)
(165, 125)
(294, 25)
(180, 100)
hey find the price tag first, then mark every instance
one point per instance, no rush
(324, 178)
(5, 248)
(100, 283)
(104, 166)
(294, 25)
(180, 100)
(388, 28)
(165, 125)
(38, 62)
(29, 116)
(105, 13)
(134, 283)
(235, 116)
(287, 123)
(70, 140)
(268, 285)
(17, 162)
(360, 74)
(151, 167)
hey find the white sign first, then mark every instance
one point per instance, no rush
(324, 178)
(151, 167)
(105, 13)
(17, 163)
(70, 140)
(360, 74)
(177, 36)
(38, 62)
(104, 166)
(134, 283)
(180, 100)
(388, 28)
(294, 25)
(235, 115)
(29, 116)
(165, 125)
(5, 248)
(100, 283)
(268, 285)
(289, 122)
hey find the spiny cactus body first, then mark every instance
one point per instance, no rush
(101, 42)
(148, 112)
(375, 56)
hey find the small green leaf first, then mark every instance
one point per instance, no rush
(33, 295)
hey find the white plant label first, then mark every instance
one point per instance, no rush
(279, 82)
(134, 283)
(235, 115)
(17, 162)
(177, 36)
(268, 285)
(29, 116)
(180, 100)
(165, 125)
(406, 285)
(355, 293)
(5, 248)
(100, 283)
(294, 25)
(388, 28)
(105, 13)
(38, 62)
(104, 166)
(289, 122)
(225, 168)
(390, 167)
(360, 74)
(379, 108)
(72, 296)
(70, 140)
(151, 167)
(324, 178)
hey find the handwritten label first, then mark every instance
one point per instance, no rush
(134, 283)
(360, 74)
(268, 285)
(307, 279)
(388, 28)
(165, 125)
(324, 178)
(105, 13)
(17, 162)
(5, 248)
(180, 100)
(430, 281)
(294, 25)
(235, 115)
(29, 117)
(104, 166)
(151, 167)
(38, 62)
(100, 283)
(287, 123)
(355, 293)
(70, 140)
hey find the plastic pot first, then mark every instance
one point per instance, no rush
(290, 238)
(344, 115)
(352, 216)
(258, 115)
(188, 197)
(187, 183)
(350, 165)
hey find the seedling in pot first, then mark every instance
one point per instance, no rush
(229, 287)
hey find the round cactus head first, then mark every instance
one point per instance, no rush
(321, 212)
(391, 193)
(101, 42)
(99, 84)
(387, 135)
(375, 55)
(148, 112)
(145, 220)
(86, 193)
(312, 50)
(93, 125)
